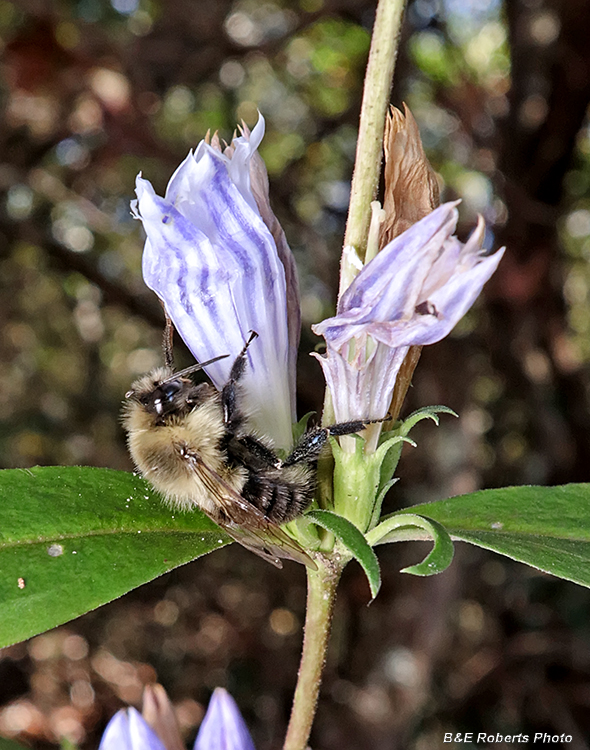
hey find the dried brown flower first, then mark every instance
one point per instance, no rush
(411, 192)
(411, 187)
(158, 711)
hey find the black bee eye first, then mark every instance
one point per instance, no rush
(167, 398)
(169, 391)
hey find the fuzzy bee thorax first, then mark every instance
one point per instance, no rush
(165, 452)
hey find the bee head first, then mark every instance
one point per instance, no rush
(163, 393)
(166, 398)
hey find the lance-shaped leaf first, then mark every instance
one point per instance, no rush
(353, 541)
(402, 526)
(73, 538)
(545, 527)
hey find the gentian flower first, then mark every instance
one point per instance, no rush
(219, 261)
(223, 727)
(412, 293)
(128, 730)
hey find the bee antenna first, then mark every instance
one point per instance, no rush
(167, 341)
(192, 368)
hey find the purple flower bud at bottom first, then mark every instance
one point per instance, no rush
(223, 727)
(128, 730)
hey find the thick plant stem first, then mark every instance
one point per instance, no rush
(369, 148)
(321, 584)
(321, 593)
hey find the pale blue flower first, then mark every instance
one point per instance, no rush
(128, 730)
(213, 261)
(223, 727)
(412, 293)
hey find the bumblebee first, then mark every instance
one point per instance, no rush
(194, 445)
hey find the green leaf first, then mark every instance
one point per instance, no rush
(426, 412)
(300, 427)
(394, 439)
(394, 528)
(6, 744)
(545, 527)
(386, 459)
(73, 538)
(379, 501)
(354, 541)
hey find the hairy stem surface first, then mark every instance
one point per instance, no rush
(321, 584)
(367, 166)
(321, 593)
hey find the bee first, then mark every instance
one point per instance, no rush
(195, 445)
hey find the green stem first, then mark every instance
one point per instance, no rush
(321, 593)
(321, 584)
(369, 148)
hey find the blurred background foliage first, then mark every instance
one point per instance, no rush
(91, 92)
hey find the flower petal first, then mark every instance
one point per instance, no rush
(223, 727)
(411, 294)
(214, 263)
(455, 258)
(361, 390)
(449, 305)
(388, 288)
(128, 730)
(181, 179)
(260, 190)
(244, 148)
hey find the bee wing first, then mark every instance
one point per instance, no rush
(245, 523)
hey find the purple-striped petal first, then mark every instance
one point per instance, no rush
(213, 261)
(361, 387)
(244, 149)
(259, 185)
(223, 727)
(445, 307)
(128, 730)
(412, 293)
(454, 259)
(379, 295)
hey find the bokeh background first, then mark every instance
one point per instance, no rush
(92, 92)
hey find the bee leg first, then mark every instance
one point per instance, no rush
(311, 443)
(256, 448)
(231, 414)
